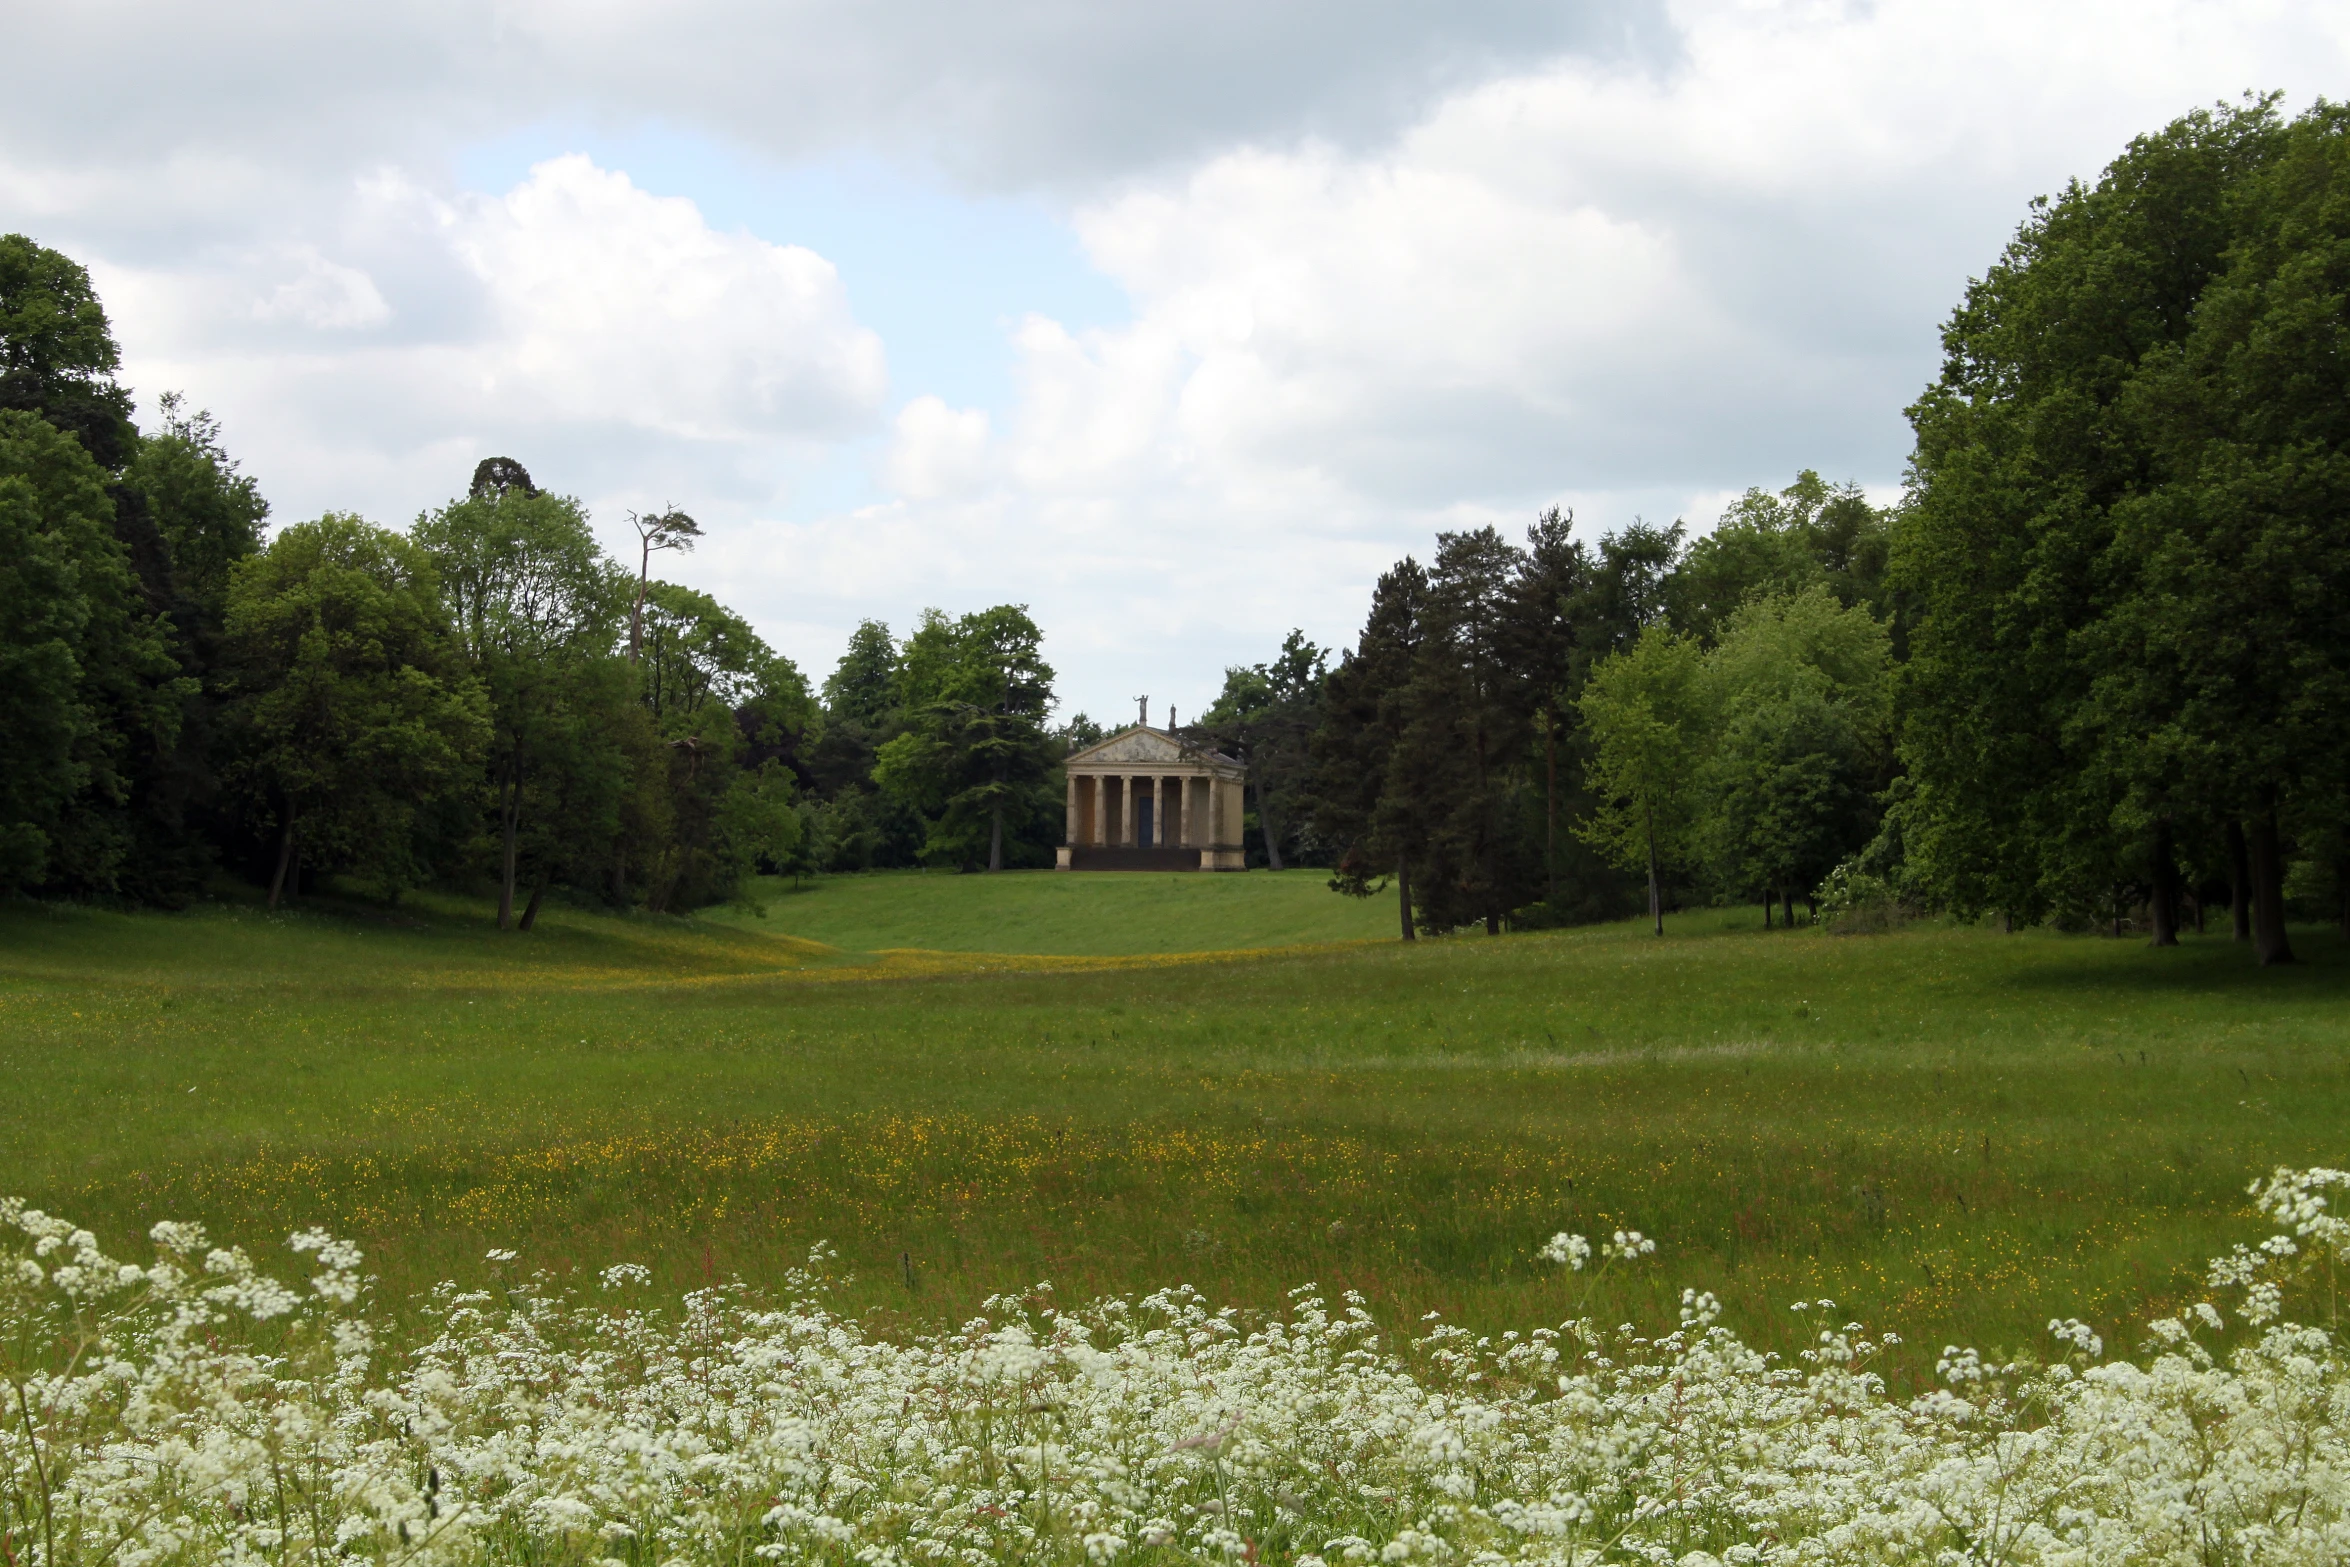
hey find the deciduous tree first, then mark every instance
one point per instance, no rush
(349, 705)
(1642, 709)
(536, 607)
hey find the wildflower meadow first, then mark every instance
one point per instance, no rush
(1943, 1127)
(189, 1408)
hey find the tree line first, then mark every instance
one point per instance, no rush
(487, 699)
(2091, 667)
(2094, 665)
(1544, 733)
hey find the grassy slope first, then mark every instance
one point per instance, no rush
(1048, 912)
(1958, 1132)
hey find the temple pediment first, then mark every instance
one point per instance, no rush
(1144, 747)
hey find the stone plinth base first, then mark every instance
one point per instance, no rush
(1086, 857)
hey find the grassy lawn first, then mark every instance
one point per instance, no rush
(1950, 1131)
(1092, 914)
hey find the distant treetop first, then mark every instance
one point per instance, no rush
(493, 477)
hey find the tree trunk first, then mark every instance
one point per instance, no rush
(2342, 878)
(512, 813)
(2166, 887)
(1550, 811)
(1272, 834)
(530, 910)
(636, 611)
(1656, 896)
(1487, 840)
(285, 857)
(1787, 906)
(995, 839)
(2268, 892)
(620, 879)
(1403, 891)
(2240, 881)
(1770, 899)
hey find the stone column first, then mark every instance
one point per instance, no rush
(1126, 811)
(1069, 829)
(1181, 836)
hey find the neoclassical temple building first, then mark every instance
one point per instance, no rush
(1147, 800)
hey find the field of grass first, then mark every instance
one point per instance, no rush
(1047, 912)
(1954, 1132)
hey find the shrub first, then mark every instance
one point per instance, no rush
(1853, 902)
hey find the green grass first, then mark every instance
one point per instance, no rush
(1093, 914)
(1950, 1131)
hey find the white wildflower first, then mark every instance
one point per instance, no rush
(723, 1428)
(1571, 1251)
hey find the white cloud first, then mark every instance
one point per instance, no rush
(610, 334)
(1391, 268)
(1586, 277)
(325, 295)
(615, 305)
(1617, 289)
(937, 450)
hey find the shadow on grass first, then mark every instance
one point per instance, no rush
(2200, 965)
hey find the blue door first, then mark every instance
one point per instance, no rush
(1142, 822)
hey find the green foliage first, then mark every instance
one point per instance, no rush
(1465, 726)
(537, 607)
(208, 515)
(1852, 902)
(1453, 755)
(2032, 505)
(698, 654)
(51, 728)
(1810, 534)
(86, 676)
(1361, 801)
(863, 689)
(350, 708)
(975, 759)
(2219, 666)
(1644, 711)
(1265, 717)
(1797, 705)
(57, 353)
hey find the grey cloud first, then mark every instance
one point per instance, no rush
(1050, 92)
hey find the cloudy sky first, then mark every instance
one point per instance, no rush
(1176, 323)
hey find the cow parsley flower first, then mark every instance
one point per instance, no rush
(1571, 1251)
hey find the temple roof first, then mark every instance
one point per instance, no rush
(1140, 743)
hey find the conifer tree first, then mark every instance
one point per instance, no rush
(1360, 800)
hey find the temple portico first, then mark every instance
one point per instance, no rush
(1145, 799)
